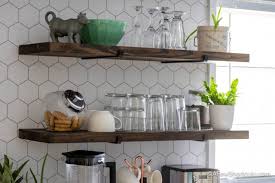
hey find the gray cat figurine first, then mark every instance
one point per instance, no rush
(60, 28)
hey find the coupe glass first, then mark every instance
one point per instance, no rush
(177, 31)
(137, 31)
(148, 36)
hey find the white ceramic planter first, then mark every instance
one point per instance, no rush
(221, 116)
(210, 39)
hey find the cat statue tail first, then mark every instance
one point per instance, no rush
(47, 16)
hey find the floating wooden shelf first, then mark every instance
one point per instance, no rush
(134, 53)
(41, 135)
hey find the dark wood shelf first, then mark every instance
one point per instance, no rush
(42, 135)
(134, 53)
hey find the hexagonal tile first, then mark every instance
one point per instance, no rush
(59, 4)
(28, 92)
(166, 77)
(4, 32)
(102, 91)
(157, 161)
(8, 52)
(131, 149)
(17, 110)
(129, 7)
(50, 167)
(106, 63)
(175, 66)
(140, 64)
(61, 168)
(67, 86)
(197, 147)
(19, 3)
(56, 150)
(46, 88)
(39, 4)
(88, 91)
(97, 146)
(198, 12)
(3, 111)
(181, 147)
(115, 76)
(189, 159)
(123, 88)
(165, 147)
(120, 160)
(8, 130)
(97, 6)
(77, 74)
(132, 76)
(149, 148)
(123, 64)
(3, 2)
(173, 159)
(38, 73)
(18, 72)
(48, 60)
(8, 91)
(31, 164)
(8, 14)
(67, 14)
(197, 77)
(37, 150)
(3, 149)
(18, 34)
(29, 16)
(97, 75)
(68, 61)
(157, 65)
(157, 90)
(88, 63)
(35, 109)
(141, 89)
(3, 72)
(114, 150)
(38, 33)
(96, 106)
(190, 66)
(149, 76)
(79, 5)
(13, 147)
(28, 59)
(106, 15)
(174, 90)
(115, 7)
(58, 74)
(57, 178)
(77, 146)
(181, 78)
(27, 123)
(183, 6)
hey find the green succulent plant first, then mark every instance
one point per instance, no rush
(217, 18)
(7, 174)
(212, 96)
(42, 172)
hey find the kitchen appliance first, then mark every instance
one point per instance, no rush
(189, 174)
(88, 167)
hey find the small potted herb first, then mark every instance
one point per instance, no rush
(221, 105)
(213, 38)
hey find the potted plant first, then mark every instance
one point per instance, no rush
(7, 174)
(213, 38)
(221, 105)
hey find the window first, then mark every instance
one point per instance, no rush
(252, 31)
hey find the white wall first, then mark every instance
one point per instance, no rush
(24, 80)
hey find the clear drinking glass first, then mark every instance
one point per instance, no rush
(173, 122)
(182, 102)
(177, 31)
(137, 28)
(190, 120)
(148, 36)
(155, 113)
(135, 113)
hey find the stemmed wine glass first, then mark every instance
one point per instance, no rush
(148, 36)
(137, 32)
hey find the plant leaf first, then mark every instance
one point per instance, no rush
(17, 172)
(43, 168)
(34, 178)
(190, 35)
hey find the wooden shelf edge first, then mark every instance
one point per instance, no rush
(123, 52)
(41, 135)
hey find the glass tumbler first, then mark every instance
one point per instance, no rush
(177, 31)
(173, 122)
(155, 114)
(190, 120)
(135, 113)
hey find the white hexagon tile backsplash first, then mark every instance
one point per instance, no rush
(24, 80)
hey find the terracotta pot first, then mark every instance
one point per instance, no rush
(221, 116)
(210, 39)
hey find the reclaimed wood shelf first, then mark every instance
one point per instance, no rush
(121, 52)
(42, 135)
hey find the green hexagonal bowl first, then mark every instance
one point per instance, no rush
(103, 32)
